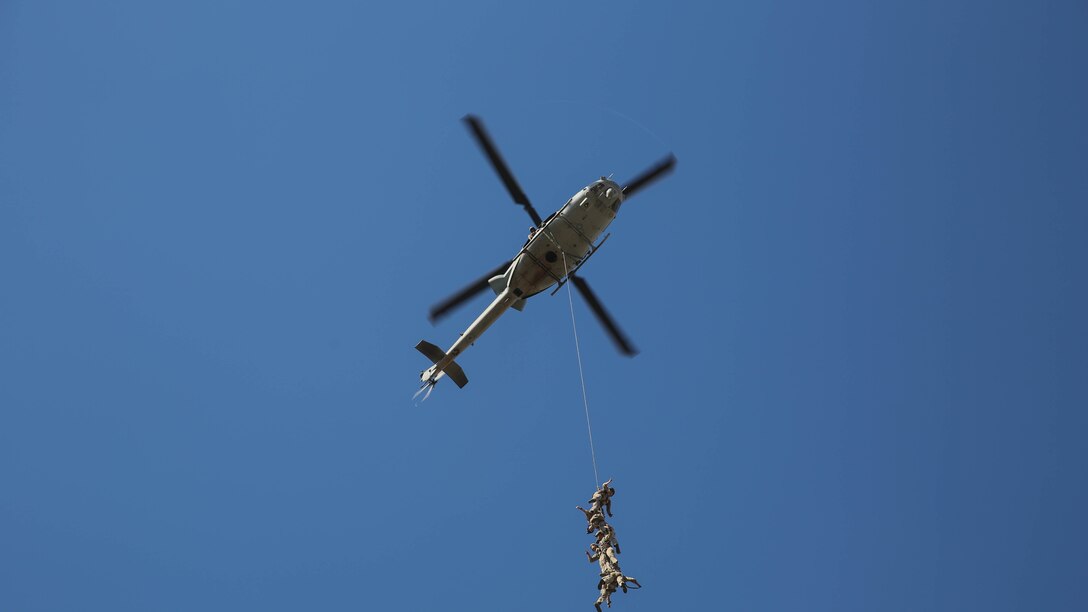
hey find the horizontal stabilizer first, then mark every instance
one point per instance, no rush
(436, 355)
(456, 374)
(430, 351)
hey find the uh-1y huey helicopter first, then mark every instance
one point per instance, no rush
(557, 247)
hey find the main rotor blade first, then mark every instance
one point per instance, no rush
(622, 343)
(443, 308)
(657, 171)
(497, 162)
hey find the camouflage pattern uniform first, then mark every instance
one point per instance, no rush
(607, 535)
(594, 517)
(602, 498)
(605, 548)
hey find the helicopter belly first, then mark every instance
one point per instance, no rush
(562, 243)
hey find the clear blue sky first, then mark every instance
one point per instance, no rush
(860, 302)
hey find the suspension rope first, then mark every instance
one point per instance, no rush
(581, 375)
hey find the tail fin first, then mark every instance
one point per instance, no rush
(437, 355)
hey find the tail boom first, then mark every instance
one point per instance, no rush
(444, 364)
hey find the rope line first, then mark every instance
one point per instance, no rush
(582, 376)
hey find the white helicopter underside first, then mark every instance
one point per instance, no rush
(566, 238)
(552, 252)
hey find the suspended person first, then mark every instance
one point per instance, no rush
(616, 578)
(607, 535)
(594, 518)
(602, 498)
(606, 594)
(605, 556)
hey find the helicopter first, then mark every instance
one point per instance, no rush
(556, 249)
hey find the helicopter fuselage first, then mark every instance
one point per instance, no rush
(562, 243)
(565, 239)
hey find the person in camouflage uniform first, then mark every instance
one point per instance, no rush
(605, 549)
